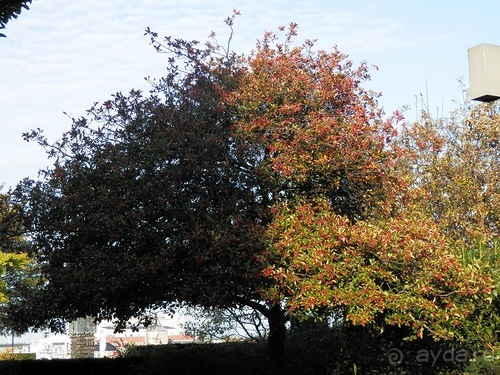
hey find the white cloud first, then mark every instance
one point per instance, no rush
(64, 55)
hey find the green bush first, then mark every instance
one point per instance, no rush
(483, 366)
(312, 350)
(224, 358)
(362, 350)
(88, 366)
(24, 356)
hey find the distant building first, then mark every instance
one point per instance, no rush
(104, 341)
(164, 331)
(18, 347)
(52, 347)
(48, 346)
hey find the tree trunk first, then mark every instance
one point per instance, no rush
(277, 333)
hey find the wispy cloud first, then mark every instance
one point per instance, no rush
(64, 55)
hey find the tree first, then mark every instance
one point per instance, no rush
(9, 263)
(14, 261)
(227, 324)
(346, 234)
(454, 164)
(395, 271)
(319, 132)
(149, 203)
(11, 9)
(454, 161)
(188, 195)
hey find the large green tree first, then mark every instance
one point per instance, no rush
(268, 181)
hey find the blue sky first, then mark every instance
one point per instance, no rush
(64, 55)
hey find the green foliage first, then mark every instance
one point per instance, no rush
(151, 200)
(8, 355)
(14, 261)
(483, 365)
(225, 358)
(453, 165)
(9, 265)
(395, 272)
(11, 228)
(315, 349)
(483, 326)
(71, 366)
